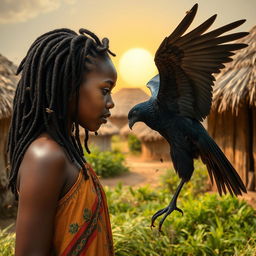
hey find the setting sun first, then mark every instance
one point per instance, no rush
(137, 66)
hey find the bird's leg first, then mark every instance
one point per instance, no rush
(169, 209)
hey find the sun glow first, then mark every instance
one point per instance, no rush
(137, 67)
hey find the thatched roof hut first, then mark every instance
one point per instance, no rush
(154, 146)
(8, 82)
(124, 100)
(103, 139)
(232, 121)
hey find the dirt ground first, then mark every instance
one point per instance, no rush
(142, 173)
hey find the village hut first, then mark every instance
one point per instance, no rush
(103, 139)
(124, 100)
(8, 81)
(232, 121)
(153, 145)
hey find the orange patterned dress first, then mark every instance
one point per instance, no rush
(82, 224)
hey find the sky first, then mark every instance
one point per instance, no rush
(128, 24)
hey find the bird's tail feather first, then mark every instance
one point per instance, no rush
(219, 167)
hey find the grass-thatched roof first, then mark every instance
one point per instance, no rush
(8, 81)
(105, 129)
(236, 84)
(142, 131)
(125, 99)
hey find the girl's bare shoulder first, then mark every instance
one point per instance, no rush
(44, 159)
(42, 174)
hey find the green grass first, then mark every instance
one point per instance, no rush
(211, 225)
(7, 241)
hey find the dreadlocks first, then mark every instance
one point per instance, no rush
(51, 74)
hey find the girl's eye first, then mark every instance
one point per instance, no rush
(105, 91)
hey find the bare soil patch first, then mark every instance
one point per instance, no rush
(141, 173)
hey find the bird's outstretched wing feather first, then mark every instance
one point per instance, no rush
(186, 64)
(153, 85)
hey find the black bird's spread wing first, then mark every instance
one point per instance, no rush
(153, 85)
(186, 64)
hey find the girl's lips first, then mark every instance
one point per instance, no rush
(103, 119)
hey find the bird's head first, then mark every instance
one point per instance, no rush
(138, 113)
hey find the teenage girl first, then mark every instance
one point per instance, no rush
(66, 81)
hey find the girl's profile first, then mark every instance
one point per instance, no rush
(66, 81)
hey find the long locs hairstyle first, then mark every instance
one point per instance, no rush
(51, 75)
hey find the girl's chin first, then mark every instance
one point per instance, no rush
(94, 128)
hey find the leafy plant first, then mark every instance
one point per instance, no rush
(107, 163)
(134, 143)
(211, 225)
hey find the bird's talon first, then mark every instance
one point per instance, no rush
(179, 210)
(169, 209)
(160, 228)
(152, 226)
(160, 231)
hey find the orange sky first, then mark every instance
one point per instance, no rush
(128, 24)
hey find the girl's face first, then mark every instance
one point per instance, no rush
(95, 99)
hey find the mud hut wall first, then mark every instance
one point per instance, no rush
(216, 130)
(102, 142)
(155, 150)
(254, 145)
(120, 122)
(4, 126)
(230, 133)
(6, 196)
(241, 144)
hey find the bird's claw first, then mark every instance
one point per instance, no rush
(168, 210)
(179, 210)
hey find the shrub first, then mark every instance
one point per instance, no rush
(107, 163)
(134, 143)
(211, 225)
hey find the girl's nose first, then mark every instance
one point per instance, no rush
(110, 103)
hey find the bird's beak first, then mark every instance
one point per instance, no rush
(131, 123)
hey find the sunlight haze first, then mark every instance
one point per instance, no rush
(136, 66)
(127, 24)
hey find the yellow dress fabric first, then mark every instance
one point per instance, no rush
(82, 224)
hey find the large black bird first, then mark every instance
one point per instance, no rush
(182, 97)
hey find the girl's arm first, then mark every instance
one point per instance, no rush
(41, 180)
